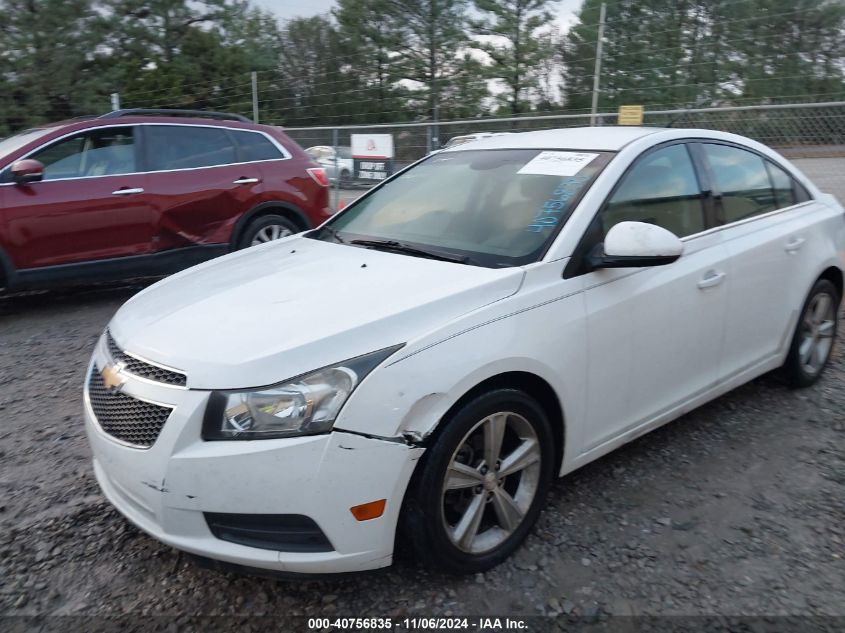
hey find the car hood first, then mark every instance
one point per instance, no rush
(263, 315)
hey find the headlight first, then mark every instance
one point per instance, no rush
(305, 405)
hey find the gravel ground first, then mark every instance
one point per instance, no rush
(735, 509)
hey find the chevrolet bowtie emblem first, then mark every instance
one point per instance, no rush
(113, 377)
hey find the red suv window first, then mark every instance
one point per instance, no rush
(104, 152)
(254, 146)
(188, 146)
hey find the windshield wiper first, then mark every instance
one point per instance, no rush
(399, 247)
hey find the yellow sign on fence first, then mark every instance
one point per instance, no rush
(630, 115)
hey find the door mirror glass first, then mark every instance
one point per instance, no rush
(27, 170)
(636, 244)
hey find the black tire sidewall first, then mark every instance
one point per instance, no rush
(423, 515)
(793, 368)
(259, 223)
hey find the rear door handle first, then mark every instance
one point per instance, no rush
(712, 278)
(794, 245)
(127, 191)
(245, 181)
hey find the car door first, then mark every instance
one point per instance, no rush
(654, 334)
(766, 247)
(90, 204)
(199, 184)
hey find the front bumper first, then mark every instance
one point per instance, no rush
(166, 489)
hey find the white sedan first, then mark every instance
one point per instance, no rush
(422, 365)
(335, 161)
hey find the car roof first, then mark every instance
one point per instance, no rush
(578, 138)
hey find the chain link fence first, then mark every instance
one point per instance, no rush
(812, 135)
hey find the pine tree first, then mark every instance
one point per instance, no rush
(432, 35)
(51, 61)
(368, 43)
(683, 53)
(515, 45)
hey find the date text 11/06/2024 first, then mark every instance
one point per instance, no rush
(481, 624)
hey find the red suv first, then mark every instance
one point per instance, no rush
(147, 192)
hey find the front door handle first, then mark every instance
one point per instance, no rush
(127, 191)
(245, 181)
(794, 244)
(712, 278)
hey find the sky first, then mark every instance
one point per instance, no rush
(292, 8)
(286, 9)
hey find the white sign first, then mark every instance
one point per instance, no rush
(557, 163)
(372, 170)
(372, 146)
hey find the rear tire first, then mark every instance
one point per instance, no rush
(815, 333)
(462, 515)
(267, 228)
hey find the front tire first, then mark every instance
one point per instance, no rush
(481, 484)
(814, 336)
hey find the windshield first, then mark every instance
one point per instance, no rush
(14, 143)
(493, 208)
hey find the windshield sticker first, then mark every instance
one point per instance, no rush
(557, 163)
(549, 214)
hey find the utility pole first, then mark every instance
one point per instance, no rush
(435, 129)
(597, 71)
(254, 77)
(336, 205)
(115, 101)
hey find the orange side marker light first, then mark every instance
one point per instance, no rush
(367, 511)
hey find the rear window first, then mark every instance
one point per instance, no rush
(187, 147)
(254, 146)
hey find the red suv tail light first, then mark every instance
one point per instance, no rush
(319, 176)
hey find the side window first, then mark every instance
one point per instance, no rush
(782, 186)
(103, 152)
(742, 178)
(187, 146)
(254, 146)
(660, 189)
(801, 193)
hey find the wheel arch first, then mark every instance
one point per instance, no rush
(834, 275)
(534, 386)
(273, 207)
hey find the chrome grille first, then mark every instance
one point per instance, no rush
(141, 369)
(123, 417)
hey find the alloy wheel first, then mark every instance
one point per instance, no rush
(491, 482)
(817, 328)
(269, 233)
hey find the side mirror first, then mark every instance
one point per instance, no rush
(26, 171)
(636, 244)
